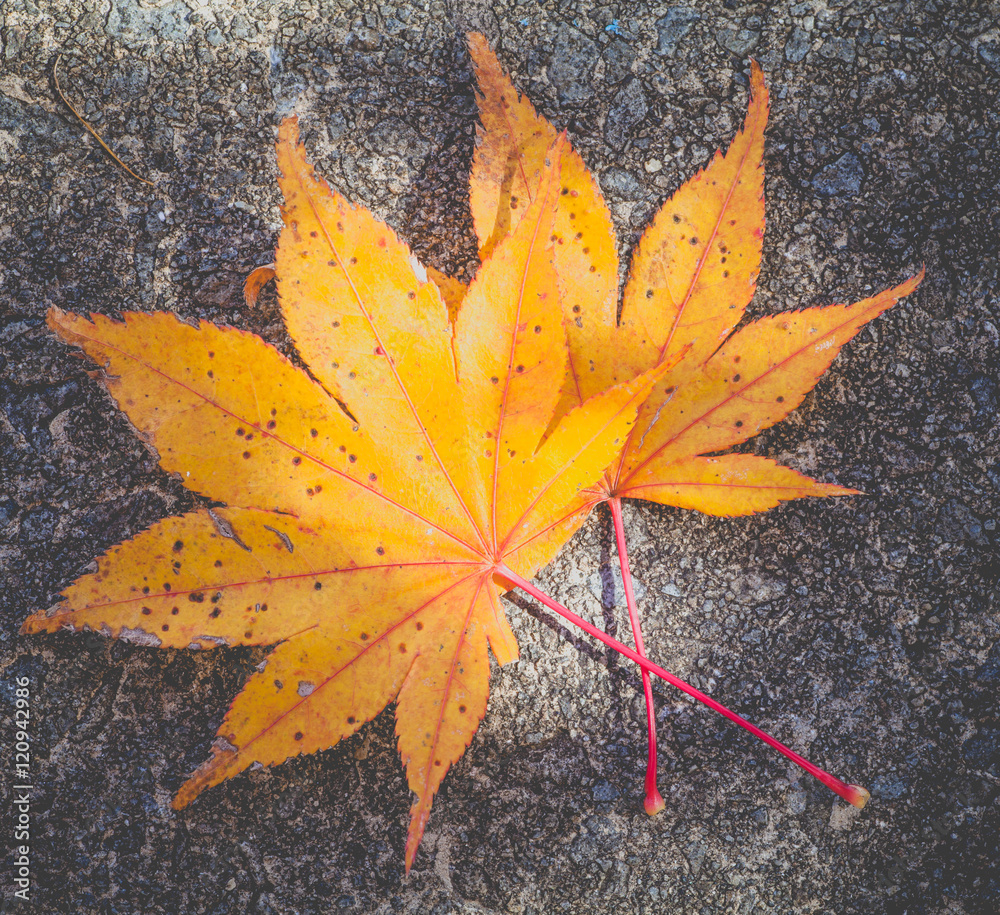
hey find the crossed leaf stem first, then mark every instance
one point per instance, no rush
(653, 802)
(853, 794)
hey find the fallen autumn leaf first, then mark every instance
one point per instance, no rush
(367, 545)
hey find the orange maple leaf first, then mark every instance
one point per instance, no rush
(365, 541)
(692, 277)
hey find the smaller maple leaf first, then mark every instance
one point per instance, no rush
(691, 279)
(365, 543)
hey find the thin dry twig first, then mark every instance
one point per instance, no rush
(93, 133)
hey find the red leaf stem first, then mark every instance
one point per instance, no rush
(853, 794)
(653, 802)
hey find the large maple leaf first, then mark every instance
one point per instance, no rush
(691, 279)
(364, 541)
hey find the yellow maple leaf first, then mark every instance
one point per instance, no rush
(692, 277)
(364, 542)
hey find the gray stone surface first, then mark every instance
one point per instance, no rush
(862, 631)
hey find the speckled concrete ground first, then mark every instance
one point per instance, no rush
(863, 631)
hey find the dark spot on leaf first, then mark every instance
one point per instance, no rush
(299, 735)
(241, 431)
(196, 597)
(565, 191)
(318, 586)
(248, 634)
(380, 550)
(538, 328)
(351, 719)
(296, 460)
(211, 374)
(352, 458)
(736, 377)
(739, 423)
(649, 293)
(335, 324)
(519, 369)
(694, 240)
(420, 626)
(411, 296)
(178, 545)
(780, 399)
(271, 424)
(420, 457)
(145, 589)
(372, 477)
(354, 260)
(313, 433)
(340, 227)
(215, 613)
(313, 234)
(402, 648)
(274, 411)
(246, 454)
(593, 269)
(278, 684)
(218, 563)
(146, 611)
(677, 218)
(461, 709)
(166, 586)
(494, 380)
